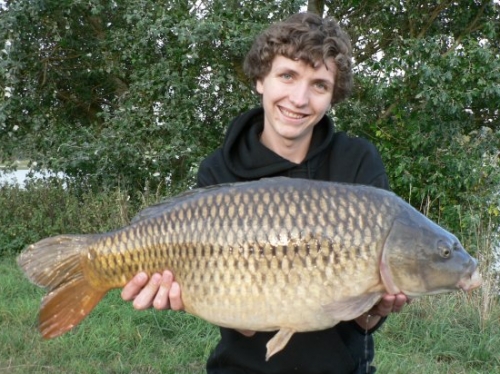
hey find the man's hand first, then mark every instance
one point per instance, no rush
(160, 291)
(389, 304)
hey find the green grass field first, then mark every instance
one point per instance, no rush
(113, 339)
(438, 334)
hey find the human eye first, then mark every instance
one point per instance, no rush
(322, 86)
(286, 76)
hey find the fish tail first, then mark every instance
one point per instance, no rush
(56, 264)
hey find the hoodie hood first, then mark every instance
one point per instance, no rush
(248, 158)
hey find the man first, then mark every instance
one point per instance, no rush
(300, 67)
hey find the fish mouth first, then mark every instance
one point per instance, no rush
(468, 283)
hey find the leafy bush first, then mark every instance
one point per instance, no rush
(50, 207)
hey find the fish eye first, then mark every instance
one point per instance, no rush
(446, 247)
(446, 252)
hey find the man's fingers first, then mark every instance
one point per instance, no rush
(399, 302)
(175, 297)
(161, 300)
(132, 288)
(145, 297)
(390, 304)
(160, 291)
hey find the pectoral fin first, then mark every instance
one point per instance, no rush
(348, 309)
(278, 342)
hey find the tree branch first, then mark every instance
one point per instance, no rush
(435, 13)
(470, 28)
(316, 6)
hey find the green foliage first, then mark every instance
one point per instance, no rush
(114, 338)
(427, 94)
(439, 334)
(134, 94)
(44, 208)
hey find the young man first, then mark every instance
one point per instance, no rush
(300, 68)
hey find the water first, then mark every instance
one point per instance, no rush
(15, 177)
(18, 177)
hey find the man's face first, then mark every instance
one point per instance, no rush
(295, 96)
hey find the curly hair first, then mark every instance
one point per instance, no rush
(306, 37)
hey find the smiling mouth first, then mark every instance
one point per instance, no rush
(290, 114)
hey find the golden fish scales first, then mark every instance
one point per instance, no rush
(229, 259)
(276, 254)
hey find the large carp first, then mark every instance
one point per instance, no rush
(275, 254)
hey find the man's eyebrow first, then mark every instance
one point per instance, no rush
(290, 70)
(325, 81)
(286, 69)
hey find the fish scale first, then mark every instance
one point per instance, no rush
(277, 254)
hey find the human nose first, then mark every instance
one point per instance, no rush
(299, 95)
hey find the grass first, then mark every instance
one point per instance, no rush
(113, 339)
(440, 334)
(457, 333)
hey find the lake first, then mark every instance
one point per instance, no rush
(20, 176)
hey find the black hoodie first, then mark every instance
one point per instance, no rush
(332, 156)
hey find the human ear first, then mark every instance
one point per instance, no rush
(259, 86)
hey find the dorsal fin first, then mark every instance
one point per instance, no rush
(158, 208)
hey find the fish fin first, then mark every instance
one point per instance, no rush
(49, 262)
(66, 306)
(55, 263)
(278, 342)
(348, 309)
(159, 208)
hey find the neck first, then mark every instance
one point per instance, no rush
(294, 150)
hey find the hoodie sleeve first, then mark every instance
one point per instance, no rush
(213, 170)
(356, 160)
(371, 168)
(205, 175)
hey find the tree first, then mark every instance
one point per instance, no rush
(427, 94)
(136, 93)
(316, 6)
